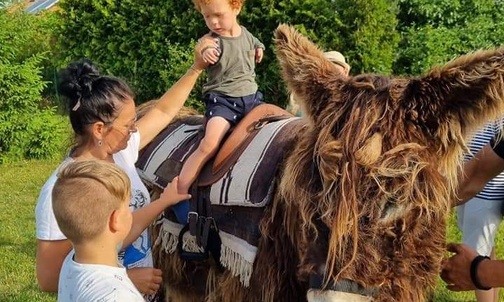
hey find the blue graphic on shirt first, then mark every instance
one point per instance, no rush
(140, 248)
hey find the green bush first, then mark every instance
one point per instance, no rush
(435, 31)
(369, 35)
(134, 40)
(27, 35)
(148, 43)
(27, 128)
(312, 18)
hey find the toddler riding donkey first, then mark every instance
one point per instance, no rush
(231, 90)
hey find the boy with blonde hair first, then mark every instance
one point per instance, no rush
(91, 206)
(230, 91)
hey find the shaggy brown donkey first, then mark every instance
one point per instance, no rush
(360, 210)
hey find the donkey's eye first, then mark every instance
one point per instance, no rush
(388, 207)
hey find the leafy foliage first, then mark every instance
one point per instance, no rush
(434, 31)
(146, 41)
(27, 129)
(369, 34)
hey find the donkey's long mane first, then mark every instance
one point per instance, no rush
(361, 172)
(378, 164)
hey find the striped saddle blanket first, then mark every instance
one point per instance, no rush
(249, 179)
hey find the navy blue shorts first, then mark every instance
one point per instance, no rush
(232, 109)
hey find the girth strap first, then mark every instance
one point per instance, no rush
(201, 224)
(344, 285)
(213, 247)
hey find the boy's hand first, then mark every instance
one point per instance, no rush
(170, 194)
(146, 279)
(259, 54)
(211, 54)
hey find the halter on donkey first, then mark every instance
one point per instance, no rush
(364, 192)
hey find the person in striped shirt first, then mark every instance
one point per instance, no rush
(466, 269)
(479, 218)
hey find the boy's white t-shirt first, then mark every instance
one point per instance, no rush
(139, 253)
(92, 282)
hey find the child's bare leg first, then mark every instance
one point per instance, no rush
(216, 128)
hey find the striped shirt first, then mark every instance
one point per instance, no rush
(494, 189)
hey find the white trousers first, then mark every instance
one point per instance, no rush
(479, 220)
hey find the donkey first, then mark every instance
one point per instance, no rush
(361, 200)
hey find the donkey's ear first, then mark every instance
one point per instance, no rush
(468, 91)
(308, 74)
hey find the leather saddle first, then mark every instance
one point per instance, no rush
(238, 139)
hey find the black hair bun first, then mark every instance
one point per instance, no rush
(77, 79)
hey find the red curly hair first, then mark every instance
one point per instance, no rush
(235, 4)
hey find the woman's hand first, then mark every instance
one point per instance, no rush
(146, 279)
(170, 195)
(162, 113)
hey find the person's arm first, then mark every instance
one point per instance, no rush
(157, 118)
(456, 271)
(146, 279)
(491, 273)
(257, 43)
(144, 216)
(484, 166)
(49, 259)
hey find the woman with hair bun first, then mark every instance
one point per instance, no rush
(102, 115)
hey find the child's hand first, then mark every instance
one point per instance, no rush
(259, 54)
(210, 55)
(207, 41)
(146, 279)
(170, 194)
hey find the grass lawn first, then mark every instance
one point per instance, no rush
(19, 187)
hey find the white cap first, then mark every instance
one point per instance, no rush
(337, 58)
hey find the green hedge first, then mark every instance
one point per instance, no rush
(149, 43)
(435, 31)
(28, 128)
(131, 39)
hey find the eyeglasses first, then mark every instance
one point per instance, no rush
(132, 127)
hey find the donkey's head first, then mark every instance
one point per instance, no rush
(378, 164)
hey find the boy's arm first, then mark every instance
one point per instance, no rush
(258, 44)
(259, 49)
(143, 217)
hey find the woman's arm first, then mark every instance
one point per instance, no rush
(50, 256)
(484, 166)
(157, 118)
